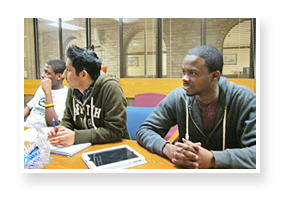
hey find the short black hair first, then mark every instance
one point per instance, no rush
(213, 57)
(58, 66)
(84, 59)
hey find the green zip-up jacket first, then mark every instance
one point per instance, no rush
(101, 118)
(233, 138)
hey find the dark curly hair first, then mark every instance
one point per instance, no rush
(213, 57)
(58, 66)
(84, 59)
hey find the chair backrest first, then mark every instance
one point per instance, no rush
(148, 99)
(135, 117)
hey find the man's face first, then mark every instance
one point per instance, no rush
(70, 75)
(49, 74)
(196, 77)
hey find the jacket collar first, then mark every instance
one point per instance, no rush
(78, 95)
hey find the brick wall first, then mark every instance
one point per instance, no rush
(179, 35)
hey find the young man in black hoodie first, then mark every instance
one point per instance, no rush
(95, 107)
(216, 119)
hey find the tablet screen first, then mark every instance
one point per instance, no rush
(111, 156)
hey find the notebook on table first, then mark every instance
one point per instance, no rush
(68, 150)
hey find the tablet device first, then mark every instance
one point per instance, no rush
(118, 157)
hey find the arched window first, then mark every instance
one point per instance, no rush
(236, 51)
(141, 55)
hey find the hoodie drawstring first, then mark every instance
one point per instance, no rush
(74, 115)
(187, 121)
(92, 112)
(224, 128)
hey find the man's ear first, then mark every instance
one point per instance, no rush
(59, 76)
(83, 73)
(215, 75)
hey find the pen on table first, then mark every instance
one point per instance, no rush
(53, 122)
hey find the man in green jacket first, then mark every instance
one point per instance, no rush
(216, 119)
(95, 106)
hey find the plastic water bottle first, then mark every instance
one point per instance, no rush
(37, 152)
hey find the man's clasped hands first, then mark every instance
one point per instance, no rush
(189, 155)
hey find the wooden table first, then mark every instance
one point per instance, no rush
(154, 161)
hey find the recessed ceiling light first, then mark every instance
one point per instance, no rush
(68, 26)
(128, 20)
(56, 19)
